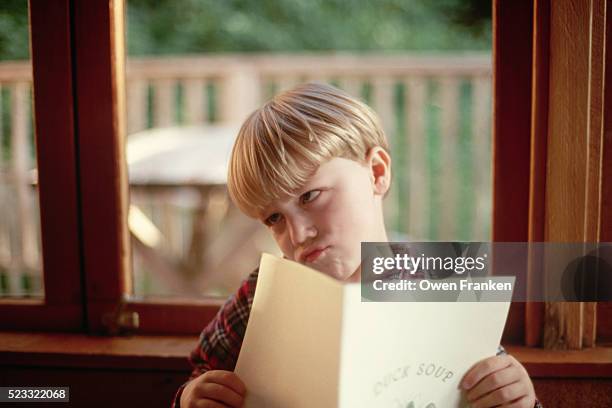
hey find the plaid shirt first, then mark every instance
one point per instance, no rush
(221, 340)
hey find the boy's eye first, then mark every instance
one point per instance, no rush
(309, 196)
(272, 219)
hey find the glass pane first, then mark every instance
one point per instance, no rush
(196, 69)
(20, 249)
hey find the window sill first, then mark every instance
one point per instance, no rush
(170, 353)
(167, 353)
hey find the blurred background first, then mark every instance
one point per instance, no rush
(196, 68)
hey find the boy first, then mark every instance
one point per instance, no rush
(313, 165)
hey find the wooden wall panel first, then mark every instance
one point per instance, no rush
(101, 388)
(574, 151)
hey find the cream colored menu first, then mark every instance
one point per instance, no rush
(311, 342)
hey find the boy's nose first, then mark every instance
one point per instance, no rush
(301, 229)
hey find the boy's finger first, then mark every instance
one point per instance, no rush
(501, 396)
(484, 368)
(227, 378)
(493, 381)
(220, 393)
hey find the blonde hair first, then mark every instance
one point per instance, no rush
(282, 144)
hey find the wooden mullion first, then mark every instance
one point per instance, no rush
(604, 309)
(605, 205)
(103, 174)
(534, 311)
(54, 126)
(54, 118)
(512, 57)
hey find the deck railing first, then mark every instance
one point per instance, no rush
(436, 110)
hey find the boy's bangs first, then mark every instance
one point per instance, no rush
(266, 170)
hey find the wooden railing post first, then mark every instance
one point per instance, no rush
(481, 156)
(352, 86)
(136, 105)
(418, 175)
(383, 105)
(163, 102)
(25, 254)
(450, 181)
(286, 82)
(5, 249)
(196, 104)
(240, 94)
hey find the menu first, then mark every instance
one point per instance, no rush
(312, 342)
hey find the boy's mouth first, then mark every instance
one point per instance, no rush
(311, 255)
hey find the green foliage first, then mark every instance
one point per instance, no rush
(14, 42)
(161, 27)
(198, 26)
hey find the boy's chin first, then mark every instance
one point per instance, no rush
(326, 270)
(336, 270)
(341, 275)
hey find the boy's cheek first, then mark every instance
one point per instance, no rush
(284, 246)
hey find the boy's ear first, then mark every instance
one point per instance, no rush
(379, 163)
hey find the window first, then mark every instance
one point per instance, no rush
(82, 89)
(190, 89)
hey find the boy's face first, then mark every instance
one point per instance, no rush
(339, 207)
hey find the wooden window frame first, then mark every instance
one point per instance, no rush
(77, 49)
(100, 89)
(78, 58)
(107, 276)
(100, 58)
(78, 55)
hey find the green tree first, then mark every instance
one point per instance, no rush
(14, 42)
(197, 26)
(157, 27)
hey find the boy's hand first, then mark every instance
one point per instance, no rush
(214, 389)
(499, 380)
